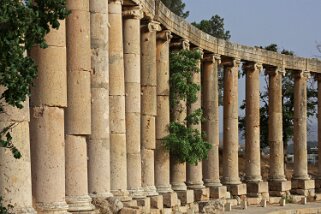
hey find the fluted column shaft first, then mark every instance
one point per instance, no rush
(211, 115)
(132, 16)
(47, 124)
(230, 138)
(118, 161)
(252, 127)
(162, 164)
(99, 140)
(149, 104)
(194, 172)
(275, 125)
(300, 127)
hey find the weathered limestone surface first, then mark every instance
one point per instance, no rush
(78, 112)
(47, 125)
(211, 125)
(162, 165)
(15, 174)
(131, 24)
(230, 138)
(194, 172)
(149, 104)
(99, 140)
(118, 162)
(318, 180)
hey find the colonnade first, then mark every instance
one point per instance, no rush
(100, 108)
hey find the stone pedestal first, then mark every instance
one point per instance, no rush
(303, 187)
(230, 135)
(15, 174)
(237, 189)
(186, 196)
(256, 189)
(218, 192)
(279, 187)
(252, 128)
(99, 140)
(162, 165)
(149, 104)
(211, 114)
(47, 124)
(132, 16)
(118, 160)
(170, 199)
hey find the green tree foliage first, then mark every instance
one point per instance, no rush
(288, 104)
(214, 26)
(23, 24)
(177, 7)
(185, 143)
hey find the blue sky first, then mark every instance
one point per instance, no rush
(292, 24)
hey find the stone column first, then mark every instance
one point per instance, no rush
(78, 114)
(255, 185)
(211, 125)
(231, 138)
(278, 185)
(15, 174)
(149, 104)
(318, 180)
(162, 165)
(99, 140)
(132, 16)
(118, 161)
(47, 124)
(300, 179)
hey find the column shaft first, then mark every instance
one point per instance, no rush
(118, 162)
(149, 104)
(230, 138)
(132, 63)
(300, 127)
(99, 140)
(162, 165)
(47, 124)
(194, 172)
(211, 114)
(252, 128)
(319, 123)
(15, 174)
(275, 126)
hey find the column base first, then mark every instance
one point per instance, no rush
(26, 210)
(179, 186)
(102, 195)
(79, 204)
(185, 196)
(199, 185)
(170, 199)
(255, 189)
(122, 195)
(210, 183)
(137, 193)
(279, 188)
(303, 187)
(164, 189)
(218, 192)
(150, 190)
(237, 189)
(52, 208)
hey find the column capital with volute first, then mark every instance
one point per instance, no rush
(134, 12)
(165, 35)
(252, 66)
(231, 62)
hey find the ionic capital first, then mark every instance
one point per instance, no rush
(304, 74)
(252, 66)
(274, 71)
(185, 44)
(116, 1)
(133, 12)
(165, 35)
(214, 58)
(182, 44)
(234, 62)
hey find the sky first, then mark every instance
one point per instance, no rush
(292, 24)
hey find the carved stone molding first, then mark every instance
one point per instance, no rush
(164, 35)
(135, 12)
(115, 1)
(232, 62)
(252, 66)
(302, 74)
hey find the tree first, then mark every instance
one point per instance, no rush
(177, 7)
(287, 101)
(214, 26)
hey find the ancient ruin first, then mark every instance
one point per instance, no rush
(100, 108)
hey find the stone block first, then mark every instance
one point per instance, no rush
(163, 117)
(233, 202)
(280, 186)
(149, 100)
(303, 184)
(282, 202)
(127, 210)
(132, 66)
(244, 205)
(263, 203)
(155, 211)
(317, 183)
(275, 200)
(148, 132)
(131, 203)
(186, 196)
(277, 193)
(228, 207)
(79, 5)
(117, 114)
(144, 203)
(202, 194)
(318, 197)
(304, 200)
(156, 202)
(133, 97)
(99, 38)
(253, 200)
(167, 211)
(170, 199)
(218, 192)
(133, 134)
(257, 187)
(296, 198)
(237, 189)
(56, 37)
(183, 209)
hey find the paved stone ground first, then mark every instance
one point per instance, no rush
(279, 209)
